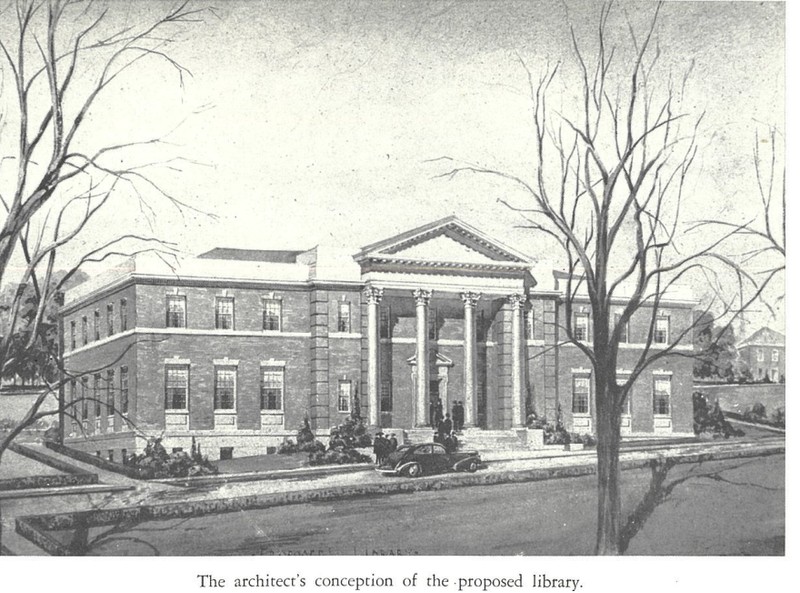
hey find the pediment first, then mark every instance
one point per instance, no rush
(446, 241)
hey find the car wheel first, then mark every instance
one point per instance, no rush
(472, 466)
(414, 470)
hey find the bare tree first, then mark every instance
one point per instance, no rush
(58, 60)
(608, 185)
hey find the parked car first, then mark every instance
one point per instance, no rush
(428, 458)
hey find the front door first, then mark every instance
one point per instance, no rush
(433, 393)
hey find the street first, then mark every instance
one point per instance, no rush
(712, 508)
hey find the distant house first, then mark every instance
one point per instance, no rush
(764, 353)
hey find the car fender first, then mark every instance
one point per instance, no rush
(464, 462)
(399, 469)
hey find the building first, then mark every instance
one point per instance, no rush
(236, 347)
(764, 353)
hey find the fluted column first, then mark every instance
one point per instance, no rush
(422, 298)
(470, 357)
(517, 309)
(373, 297)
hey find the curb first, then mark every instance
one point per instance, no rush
(61, 490)
(256, 476)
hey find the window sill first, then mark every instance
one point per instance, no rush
(226, 412)
(272, 412)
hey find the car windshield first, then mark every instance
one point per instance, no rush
(402, 449)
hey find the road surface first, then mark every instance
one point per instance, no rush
(714, 508)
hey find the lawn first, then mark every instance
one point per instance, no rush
(15, 465)
(262, 463)
(740, 398)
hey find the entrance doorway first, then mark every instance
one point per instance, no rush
(433, 394)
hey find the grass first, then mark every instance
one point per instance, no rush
(262, 463)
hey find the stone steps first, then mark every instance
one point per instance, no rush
(484, 440)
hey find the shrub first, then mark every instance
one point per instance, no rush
(779, 417)
(338, 456)
(155, 462)
(306, 441)
(757, 413)
(710, 420)
(350, 434)
(587, 440)
(556, 434)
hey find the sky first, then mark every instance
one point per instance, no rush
(320, 122)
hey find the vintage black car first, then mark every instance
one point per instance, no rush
(428, 458)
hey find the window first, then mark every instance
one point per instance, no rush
(759, 355)
(343, 324)
(623, 334)
(111, 455)
(580, 327)
(480, 333)
(176, 311)
(224, 314)
(626, 405)
(662, 330)
(98, 385)
(345, 393)
(177, 387)
(123, 315)
(433, 323)
(776, 356)
(773, 375)
(84, 398)
(123, 390)
(225, 453)
(110, 394)
(110, 319)
(386, 322)
(662, 389)
(72, 334)
(271, 388)
(272, 314)
(529, 325)
(96, 325)
(580, 395)
(73, 396)
(224, 388)
(386, 396)
(85, 330)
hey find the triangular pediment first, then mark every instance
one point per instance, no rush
(447, 240)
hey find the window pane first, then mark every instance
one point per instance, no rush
(176, 311)
(123, 389)
(177, 387)
(225, 388)
(123, 315)
(96, 325)
(580, 331)
(272, 315)
(662, 388)
(110, 319)
(224, 313)
(662, 330)
(271, 388)
(345, 388)
(98, 405)
(580, 395)
(344, 317)
(110, 395)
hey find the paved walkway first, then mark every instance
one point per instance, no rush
(155, 493)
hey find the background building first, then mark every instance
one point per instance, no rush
(764, 353)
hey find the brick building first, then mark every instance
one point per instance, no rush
(236, 347)
(764, 353)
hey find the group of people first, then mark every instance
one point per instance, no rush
(439, 420)
(382, 446)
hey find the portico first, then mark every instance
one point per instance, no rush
(445, 324)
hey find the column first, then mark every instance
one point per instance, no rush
(470, 358)
(517, 398)
(373, 296)
(422, 298)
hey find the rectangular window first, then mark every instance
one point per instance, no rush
(580, 395)
(123, 315)
(72, 334)
(528, 325)
(662, 389)
(224, 388)
(98, 386)
(85, 330)
(123, 390)
(73, 396)
(626, 405)
(343, 324)
(110, 392)
(110, 319)
(580, 327)
(776, 356)
(759, 355)
(224, 313)
(345, 395)
(84, 398)
(623, 334)
(773, 375)
(386, 396)
(176, 311)
(433, 323)
(386, 322)
(661, 335)
(272, 388)
(272, 314)
(480, 327)
(96, 325)
(111, 455)
(177, 387)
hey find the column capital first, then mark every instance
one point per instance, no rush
(422, 296)
(373, 294)
(470, 298)
(517, 300)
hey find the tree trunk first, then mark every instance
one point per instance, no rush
(609, 510)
